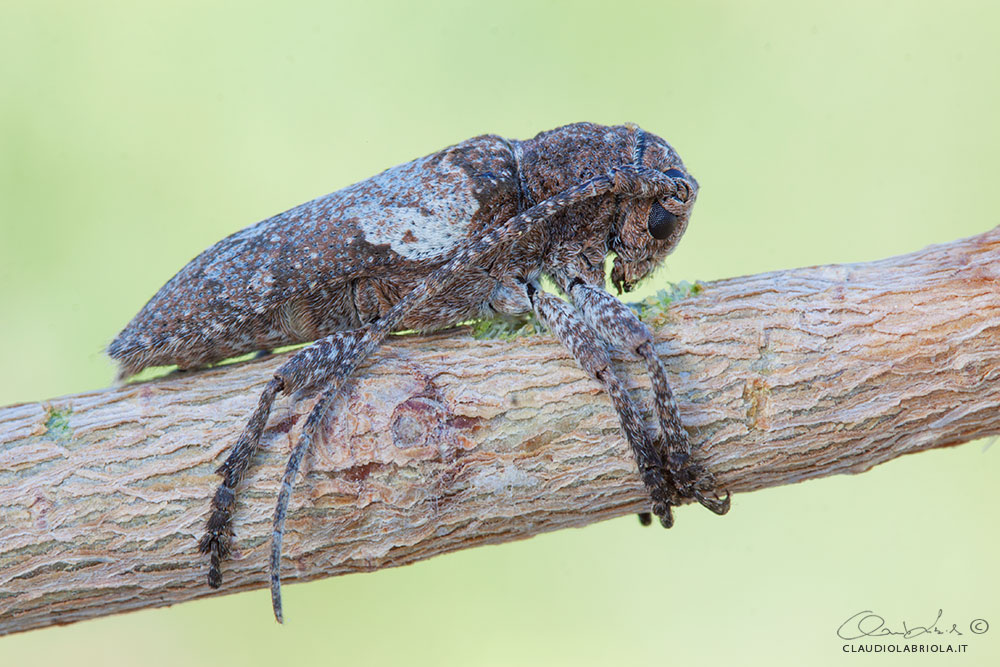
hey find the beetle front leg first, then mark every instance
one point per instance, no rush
(588, 349)
(618, 324)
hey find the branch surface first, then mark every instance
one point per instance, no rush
(444, 442)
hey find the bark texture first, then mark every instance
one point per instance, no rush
(445, 442)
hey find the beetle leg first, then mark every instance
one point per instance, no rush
(325, 363)
(218, 538)
(616, 322)
(588, 349)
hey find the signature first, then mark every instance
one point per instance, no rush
(869, 624)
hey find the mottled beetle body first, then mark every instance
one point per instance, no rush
(333, 263)
(465, 233)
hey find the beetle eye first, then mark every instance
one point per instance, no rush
(673, 173)
(661, 222)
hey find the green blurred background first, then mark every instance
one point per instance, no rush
(134, 135)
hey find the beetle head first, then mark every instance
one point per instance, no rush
(647, 228)
(644, 192)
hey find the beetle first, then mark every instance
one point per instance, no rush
(465, 233)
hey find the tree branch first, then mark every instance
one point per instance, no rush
(444, 442)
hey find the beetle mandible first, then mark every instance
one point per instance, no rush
(465, 233)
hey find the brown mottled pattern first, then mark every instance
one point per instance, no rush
(311, 270)
(463, 233)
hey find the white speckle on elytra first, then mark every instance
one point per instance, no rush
(261, 281)
(386, 214)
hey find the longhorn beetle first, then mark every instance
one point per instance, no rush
(465, 233)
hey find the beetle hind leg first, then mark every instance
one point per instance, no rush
(335, 357)
(218, 537)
